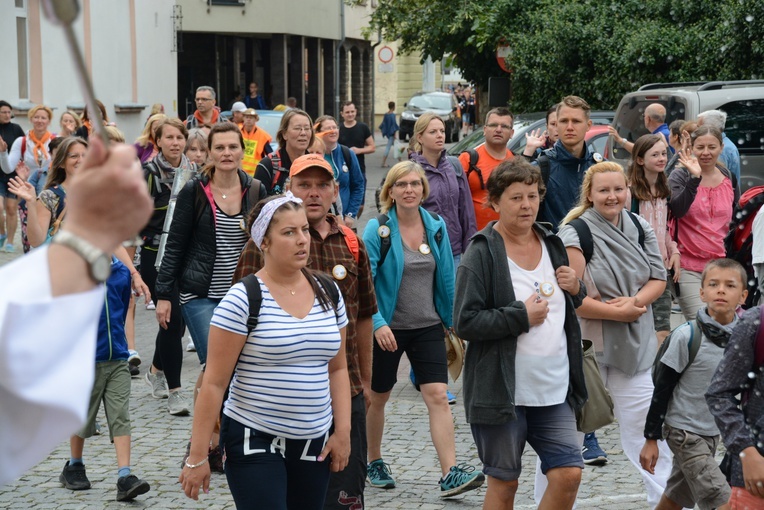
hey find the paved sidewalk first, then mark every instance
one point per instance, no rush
(159, 441)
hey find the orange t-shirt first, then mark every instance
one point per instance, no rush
(254, 147)
(486, 163)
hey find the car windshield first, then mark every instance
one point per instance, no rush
(430, 102)
(270, 123)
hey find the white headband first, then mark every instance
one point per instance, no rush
(266, 214)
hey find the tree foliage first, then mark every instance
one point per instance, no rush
(598, 49)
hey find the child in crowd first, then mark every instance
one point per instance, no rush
(112, 386)
(678, 412)
(740, 420)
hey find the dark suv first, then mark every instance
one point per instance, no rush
(743, 101)
(442, 104)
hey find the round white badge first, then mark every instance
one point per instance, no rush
(383, 231)
(547, 289)
(339, 272)
(597, 157)
(424, 249)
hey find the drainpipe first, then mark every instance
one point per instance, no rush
(337, 61)
(374, 79)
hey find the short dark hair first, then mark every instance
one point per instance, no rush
(509, 172)
(391, 105)
(501, 111)
(5, 103)
(53, 144)
(347, 103)
(552, 109)
(724, 263)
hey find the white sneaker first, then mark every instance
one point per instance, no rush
(151, 306)
(176, 404)
(158, 384)
(190, 347)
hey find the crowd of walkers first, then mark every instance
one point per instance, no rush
(299, 322)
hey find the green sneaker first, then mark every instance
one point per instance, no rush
(461, 478)
(379, 475)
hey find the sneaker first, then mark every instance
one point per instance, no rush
(592, 453)
(9, 248)
(461, 478)
(97, 431)
(133, 358)
(158, 384)
(74, 477)
(379, 475)
(176, 404)
(451, 398)
(130, 486)
(190, 347)
(151, 306)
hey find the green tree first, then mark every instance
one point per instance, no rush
(598, 49)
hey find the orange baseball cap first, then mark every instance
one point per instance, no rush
(310, 161)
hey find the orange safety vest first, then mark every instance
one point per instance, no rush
(254, 149)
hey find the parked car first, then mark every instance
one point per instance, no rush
(743, 101)
(525, 123)
(442, 104)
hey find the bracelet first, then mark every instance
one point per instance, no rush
(135, 272)
(194, 466)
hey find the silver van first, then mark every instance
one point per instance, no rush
(743, 101)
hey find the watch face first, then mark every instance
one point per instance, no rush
(101, 268)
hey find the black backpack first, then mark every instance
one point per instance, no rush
(474, 156)
(585, 235)
(385, 241)
(255, 296)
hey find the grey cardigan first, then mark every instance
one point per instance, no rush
(489, 318)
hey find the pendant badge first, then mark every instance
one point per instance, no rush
(424, 249)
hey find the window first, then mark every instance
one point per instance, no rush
(20, 4)
(744, 125)
(21, 49)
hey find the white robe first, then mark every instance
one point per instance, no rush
(47, 362)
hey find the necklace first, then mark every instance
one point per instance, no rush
(292, 292)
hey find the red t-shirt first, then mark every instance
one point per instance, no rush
(486, 163)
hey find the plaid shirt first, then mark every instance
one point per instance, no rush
(357, 288)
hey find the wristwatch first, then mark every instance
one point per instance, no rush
(98, 261)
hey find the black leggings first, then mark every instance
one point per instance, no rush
(168, 352)
(273, 472)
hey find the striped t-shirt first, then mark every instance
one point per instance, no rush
(230, 239)
(281, 382)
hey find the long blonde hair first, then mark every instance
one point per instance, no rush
(586, 187)
(149, 130)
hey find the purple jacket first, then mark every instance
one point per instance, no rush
(144, 153)
(450, 197)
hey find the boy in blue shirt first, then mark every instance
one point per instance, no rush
(112, 386)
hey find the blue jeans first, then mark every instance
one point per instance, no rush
(198, 314)
(390, 142)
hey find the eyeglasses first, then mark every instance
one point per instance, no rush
(400, 185)
(504, 127)
(300, 129)
(74, 156)
(203, 99)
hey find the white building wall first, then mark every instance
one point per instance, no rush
(111, 51)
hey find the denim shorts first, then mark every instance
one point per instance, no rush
(550, 430)
(4, 188)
